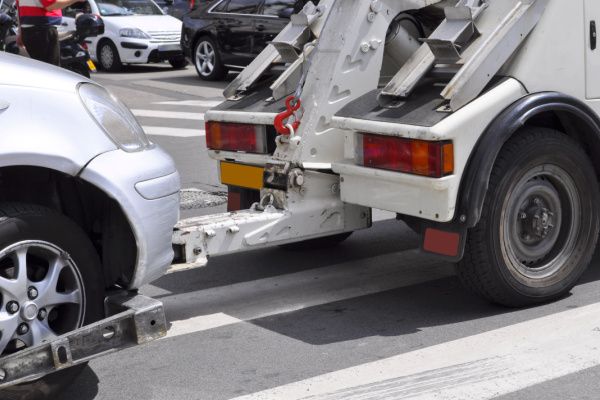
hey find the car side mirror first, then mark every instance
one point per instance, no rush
(285, 13)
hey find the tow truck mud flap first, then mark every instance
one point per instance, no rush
(139, 320)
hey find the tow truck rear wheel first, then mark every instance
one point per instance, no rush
(50, 284)
(540, 222)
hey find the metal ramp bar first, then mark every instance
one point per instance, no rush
(475, 75)
(444, 47)
(443, 41)
(283, 48)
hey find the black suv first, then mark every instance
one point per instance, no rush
(227, 34)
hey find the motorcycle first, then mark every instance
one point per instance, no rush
(8, 27)
(74, 54)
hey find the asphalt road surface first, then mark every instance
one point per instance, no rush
(372, 319)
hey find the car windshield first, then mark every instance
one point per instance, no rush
(114, 8)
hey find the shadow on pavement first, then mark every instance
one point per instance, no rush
(410, 310)
(85, 387)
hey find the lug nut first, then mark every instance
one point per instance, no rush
(32, 293)
(12, 307)
(523, 215)
(23, 329)
(42, 314)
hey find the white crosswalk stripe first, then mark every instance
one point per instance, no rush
(176, 132)
(478, 367)
(195, 116)
(255, 299)
(193, 103)
(180, 121)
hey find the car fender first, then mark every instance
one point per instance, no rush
(48, 128)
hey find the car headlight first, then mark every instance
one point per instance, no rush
(114, 118)
(134, 33)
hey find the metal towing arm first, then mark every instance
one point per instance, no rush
(134, 320)
(328, 66)
(335, 55)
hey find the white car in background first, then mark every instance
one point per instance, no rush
(136, 32)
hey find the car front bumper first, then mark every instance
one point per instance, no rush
(136, 51)
(146, 185)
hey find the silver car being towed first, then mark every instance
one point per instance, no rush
(87, 204)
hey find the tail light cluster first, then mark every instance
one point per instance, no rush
(246, 138)
(412, 156)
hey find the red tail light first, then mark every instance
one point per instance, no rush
(419, 157)
(192, 4)
(236, 137)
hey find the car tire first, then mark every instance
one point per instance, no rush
(207, 60)
(43, 232)
(178, 62)
(539, 225)
(326, 242)
(108, 56)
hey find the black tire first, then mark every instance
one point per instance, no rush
(19, 222)
(218, 70)
(318, 243)
(178, 62)
(534, 239)
(108, 56)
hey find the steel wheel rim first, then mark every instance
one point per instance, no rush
(55, 306)
(106, 56)
(544, 205)
(205, 58)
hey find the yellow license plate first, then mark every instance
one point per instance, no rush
(91, 65)
(241, 175)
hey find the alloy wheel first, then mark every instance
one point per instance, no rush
(41, 295)
(205, 58)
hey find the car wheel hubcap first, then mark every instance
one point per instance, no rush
(205, 58)
(106, 56)
(58, 306)
(541, 220)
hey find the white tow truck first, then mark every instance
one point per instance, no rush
(476, 121)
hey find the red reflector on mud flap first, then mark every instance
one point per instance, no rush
(442, 242)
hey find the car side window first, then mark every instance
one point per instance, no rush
(275, 7)
(243, 6)
(74, 9)
(221, 7)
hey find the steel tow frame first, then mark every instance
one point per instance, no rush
(135, 320)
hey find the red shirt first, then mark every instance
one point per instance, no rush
(34, 13)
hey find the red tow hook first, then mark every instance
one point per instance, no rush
(282, 126)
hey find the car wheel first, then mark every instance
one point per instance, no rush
(318, 243)
(108, 55)
(539, 225)
(178, 62)
(50, 284)
(207, 60)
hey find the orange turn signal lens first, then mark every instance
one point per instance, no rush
(419, 157)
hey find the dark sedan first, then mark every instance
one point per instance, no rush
(224, 35)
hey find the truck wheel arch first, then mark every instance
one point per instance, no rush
(573, 117)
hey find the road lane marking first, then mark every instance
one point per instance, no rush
(193, 103)
(482, 366)
(292, 292)
(176, 132)
(169, 114)
(205, 323)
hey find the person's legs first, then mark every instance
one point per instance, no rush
(41, 43)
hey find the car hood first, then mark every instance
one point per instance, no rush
(23, 71)
(147, 23)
